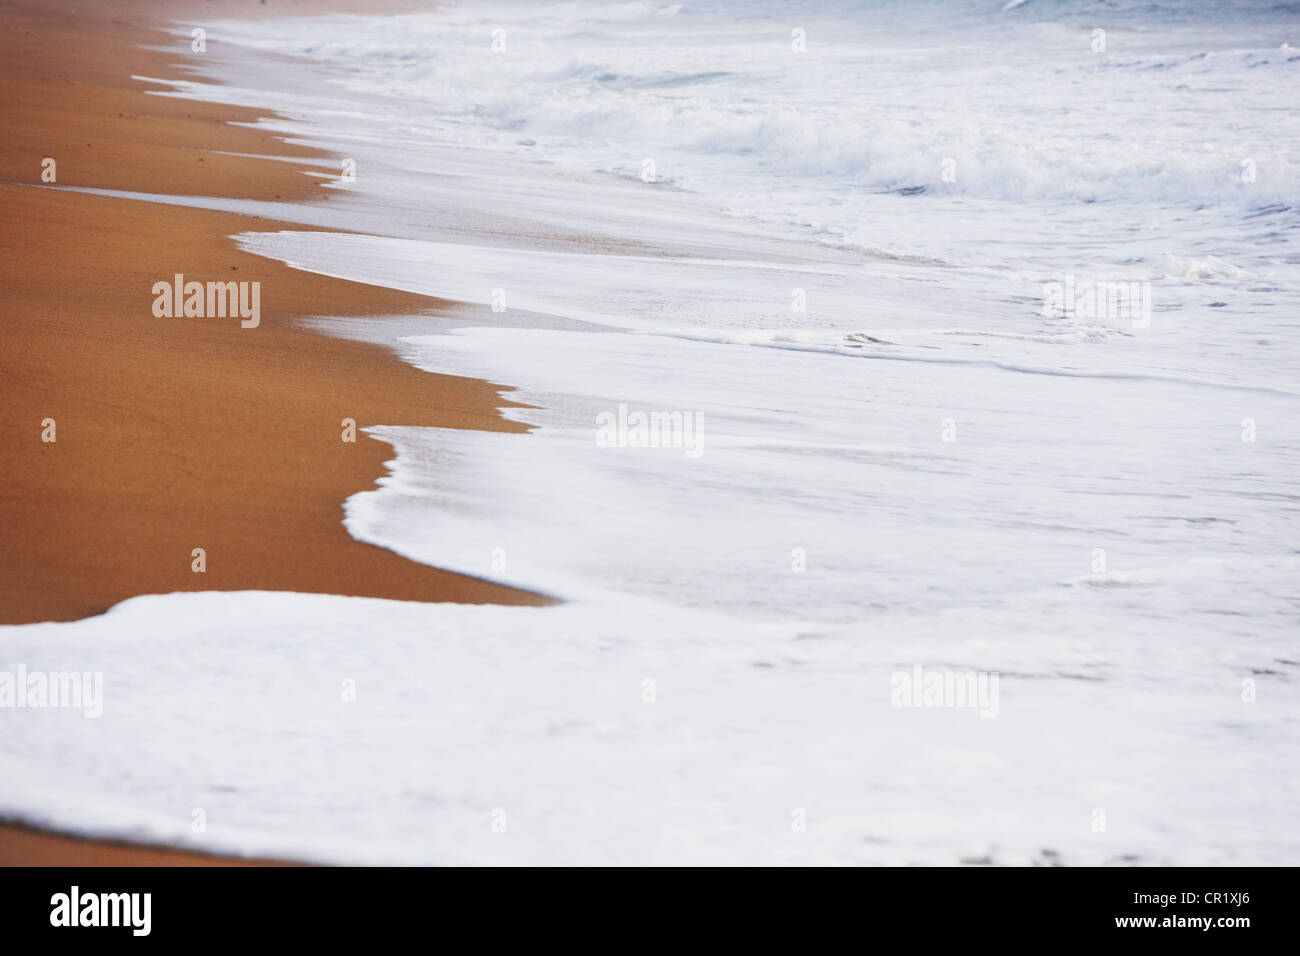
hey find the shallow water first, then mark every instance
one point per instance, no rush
(920, 466)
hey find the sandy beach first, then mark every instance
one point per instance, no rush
(841, 434)
(175, 434)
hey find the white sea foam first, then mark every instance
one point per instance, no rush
(718, 96)
(918, 468)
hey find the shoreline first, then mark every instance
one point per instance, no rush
(181, 433)
(23, 845)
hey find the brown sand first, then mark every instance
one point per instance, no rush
(20, 846)
(175, 434)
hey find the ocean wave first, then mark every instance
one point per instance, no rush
(721, 101)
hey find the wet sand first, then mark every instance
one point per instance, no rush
(176, 433)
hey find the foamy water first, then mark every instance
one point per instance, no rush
(834, 270)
